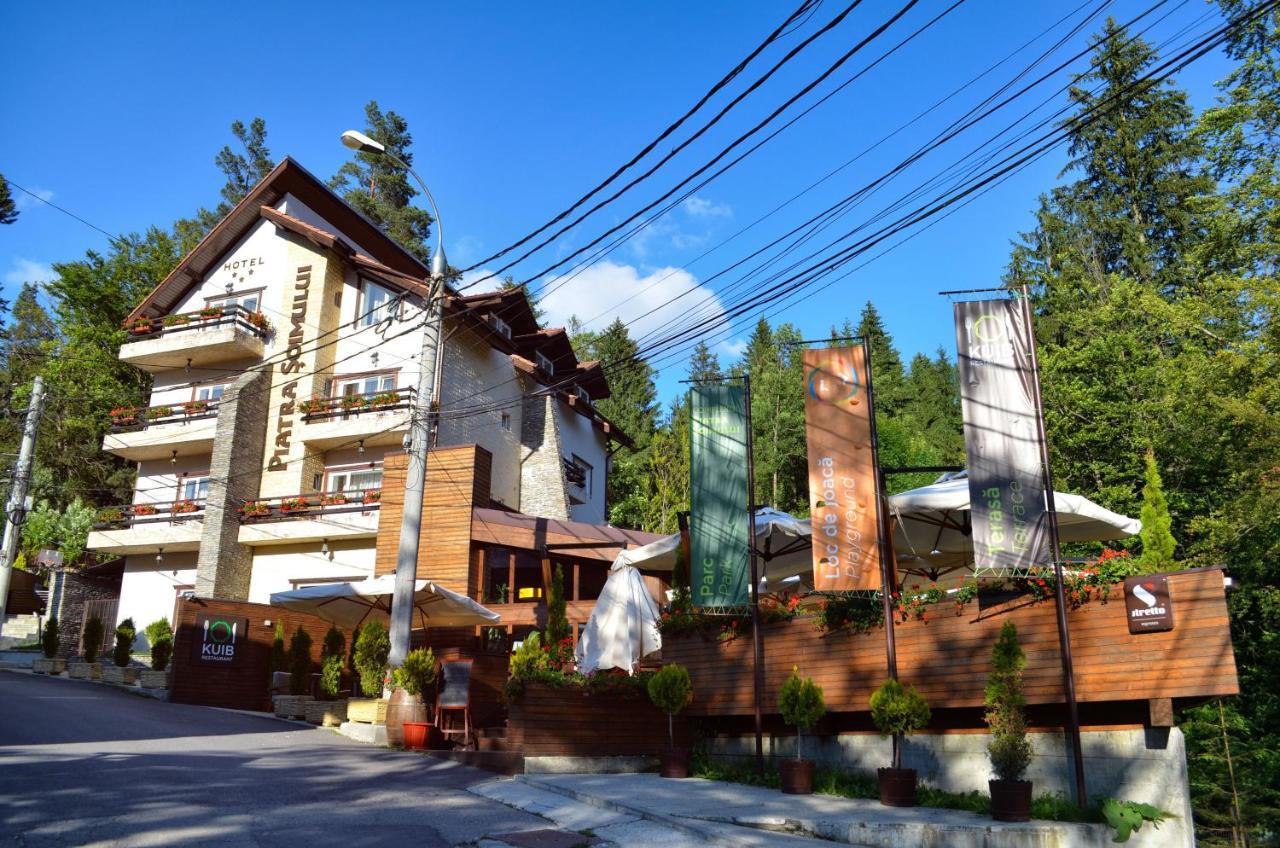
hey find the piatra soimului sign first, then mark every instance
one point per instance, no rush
(1001, 436)
(1148, 604)
(218, 638)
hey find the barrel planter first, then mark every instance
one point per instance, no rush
(403, 707)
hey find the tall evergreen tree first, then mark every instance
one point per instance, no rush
(8, 210)
(244, 170)
(380, 189)
(887, 374)
(704, 364)
(1157, 536)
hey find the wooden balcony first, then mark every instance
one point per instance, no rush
(212, 335)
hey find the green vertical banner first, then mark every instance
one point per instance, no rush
(718, 526)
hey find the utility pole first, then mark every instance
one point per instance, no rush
(15, 512)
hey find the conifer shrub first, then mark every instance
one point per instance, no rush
(801, 703)
(898, 711)
(670, 689)
(372, 649)
(557, 619)
(50, 641)
(299, 662)
(1158, 544)
(157, 630)
(1009, 749)
(417, 673)
(125, 634)
(279, 657)
(94, 630)
(161, 652)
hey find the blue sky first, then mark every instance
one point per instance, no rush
(115, 111)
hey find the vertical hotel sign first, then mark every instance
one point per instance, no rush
(842, 472)
(292, 365)
(718, 528)
(1001, 435)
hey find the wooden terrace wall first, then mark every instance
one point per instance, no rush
(544, 721)
(948, 656)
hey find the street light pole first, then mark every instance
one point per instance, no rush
(419, 421)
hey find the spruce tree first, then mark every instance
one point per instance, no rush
(381, 189)
(1157, 536)
(8, 210)
(887, 375)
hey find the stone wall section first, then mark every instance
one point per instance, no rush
(542, 485)
(68, 593)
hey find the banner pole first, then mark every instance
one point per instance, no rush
(886, 573)
(757, 648)
(1064, 634)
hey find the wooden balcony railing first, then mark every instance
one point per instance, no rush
(210, 316)
(127, 419)
(133, 515)
(324, 408)
(293, 507)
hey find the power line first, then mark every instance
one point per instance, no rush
(60, 209)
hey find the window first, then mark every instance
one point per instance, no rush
(210, 393)
(247, 300)
(506, 421)
(194, 489)
(544, 362)
(367, 385)
(354, 480)
(578, 472)
(376, 304)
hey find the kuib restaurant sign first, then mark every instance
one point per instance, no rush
(1148, 604)
(219, 638)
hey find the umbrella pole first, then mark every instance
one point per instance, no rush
(1064, 634)
(757, 648)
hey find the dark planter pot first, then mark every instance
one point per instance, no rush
(797, 776)
(897, 787)
(675, 763)
(417, 735)
(1010, 800)
(401, 708)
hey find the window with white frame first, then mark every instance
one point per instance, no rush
(357, 479)
(376, 304)
(193, 488)
(367, 384)
(210, 392)
(249, 301)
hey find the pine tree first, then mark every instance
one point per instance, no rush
(380, 189)
(244, 170)
(703, 364)
(8, 210)
(887, 374)
(1157, 536)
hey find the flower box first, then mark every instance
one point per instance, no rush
(112, 514)
(294, 505)
(372, 497)
(335, 499)
(123, 416)
(152, 679)
(159, 412)
(310, 406)
(144, 509)
(258, 321)
(185, 507)
(367, 710)
(385, 399)
(85, 671)
(126, 676)
(255, 509)
(141, 327)
(176, 320)
(210, 312)
(195, 407)
(353, 402)
(291, 706)
(326, 713)
(49, 666)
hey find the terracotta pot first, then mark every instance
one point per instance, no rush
(416, 734)
(797, 776)
(401, 708)
(897, 787)
(675, 763)
(1010, 800)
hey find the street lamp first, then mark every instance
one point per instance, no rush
(419, 430)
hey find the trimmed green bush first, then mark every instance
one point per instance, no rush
(417, 673)
(125, 634)
(299, 662)
(801, 703)
(528, 658)
(161, 652)
(335, 644)
(157, 630)
(670, 689)
(558, 628)
(49, 639)
(331, 677)
(372, 649)
(1009, 749)
(898, 711)
(279, 657)
(94, 630)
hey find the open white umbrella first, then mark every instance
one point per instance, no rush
(351, 604)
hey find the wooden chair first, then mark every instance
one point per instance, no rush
(454, 696)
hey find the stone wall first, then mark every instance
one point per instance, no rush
(542, 485)
(68, 593)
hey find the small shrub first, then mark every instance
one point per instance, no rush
(161, 652)
(49, 639)
(157, 630)
(557, 620)
(528, 658)
(335, 644)
(801, 704)
(279, 659)
(94, 630)
(1009, 749)
(125, 634)
(372, 648)
(299, 662)
(670, 689)
(898, 711)
(331, 677)
(417, 673)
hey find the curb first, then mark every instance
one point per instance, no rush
(153, 694)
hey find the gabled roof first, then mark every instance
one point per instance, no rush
(286, 178)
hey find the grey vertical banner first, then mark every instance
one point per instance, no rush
(1001, 436)
(718, 526)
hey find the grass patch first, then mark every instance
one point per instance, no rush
(844, 783)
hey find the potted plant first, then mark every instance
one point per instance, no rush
(295, 504)
(140, 326)
(185, 507)
(372, 496)
(258, 321)
(160, 635)
(124, 416)
(177, 320)
(49, 643)
(383, 399)
(898, 711)
(255, 509)
(1009, 749)
(353, 402)
(143, 509)
(312, 405)
(159, 412)
(120, 672)
(328, 710)
(801, 704)
(373, 645)
(90, 669)
(333, 498)
(407, 719)
(210, 312)
(110, 515)
(195, 407)
(671, 690)
(294, 705)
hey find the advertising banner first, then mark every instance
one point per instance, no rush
(718, 527)
(842, 472)
(1001, 436)
(1148, 604)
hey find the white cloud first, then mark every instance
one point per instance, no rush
(608, 290)
(22, 200)
(730, 350)
(465, 250)
(700, 207)
(28, 271)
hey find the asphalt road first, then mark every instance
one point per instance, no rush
(87, 765)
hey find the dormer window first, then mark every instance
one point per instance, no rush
(377, 304)
(499, 326)
(582, 394)
(544, 362)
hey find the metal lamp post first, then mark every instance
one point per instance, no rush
(419, 421)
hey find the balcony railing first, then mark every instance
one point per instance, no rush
(135, 515)
(210, 316)
(297, 507)
(325, 408)
(128, 419)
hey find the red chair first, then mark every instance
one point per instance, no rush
(454, 696)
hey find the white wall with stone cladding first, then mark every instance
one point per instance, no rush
(578, 435)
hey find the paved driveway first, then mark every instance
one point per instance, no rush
(85, 764)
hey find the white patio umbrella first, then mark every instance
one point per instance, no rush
(623, 627)
(351, 604)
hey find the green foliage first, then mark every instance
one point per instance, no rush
(299, 663)
(243, 170)
(528, 658)
(49, 639)
(157, 630)
(94, 631)
(65, 530)
(1125, 817)
(851, 611)
(417, 673)
(557, 621)
(8, 209)
(161, 652)
(331, 677)
(1009, 749)
(373, 646)
(335, 644)
(670, 688)
(801, 704)
(125, 635)
(279, 657)
(1157, 536)
(898, 711)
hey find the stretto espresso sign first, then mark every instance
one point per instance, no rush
(1148, 604)
(219, 638)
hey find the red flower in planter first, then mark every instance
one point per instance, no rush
(185, 507)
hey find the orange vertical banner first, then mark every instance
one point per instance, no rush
(842, 471)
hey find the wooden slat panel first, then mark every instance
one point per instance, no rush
(567, 722)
